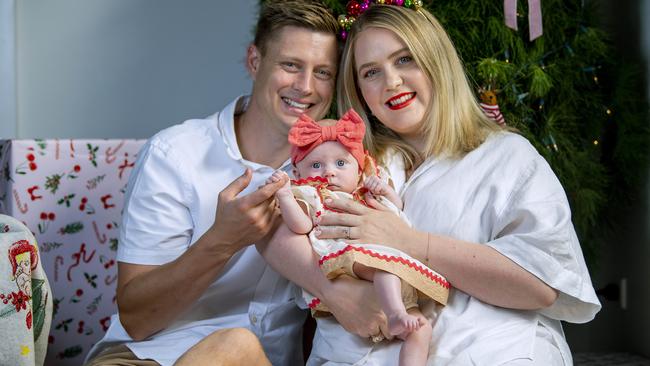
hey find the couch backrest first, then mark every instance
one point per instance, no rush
(70, 194)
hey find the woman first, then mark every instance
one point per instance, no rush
(487, 211)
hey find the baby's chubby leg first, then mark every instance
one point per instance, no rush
(389, 292)
(415, 349)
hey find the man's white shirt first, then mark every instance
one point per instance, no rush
(170, 203)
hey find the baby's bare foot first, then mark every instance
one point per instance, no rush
(402, 323)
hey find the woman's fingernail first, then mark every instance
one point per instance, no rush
(317, 232)
(328, 200)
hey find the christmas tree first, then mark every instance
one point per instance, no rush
(565, 91)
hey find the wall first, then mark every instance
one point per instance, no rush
(627, 253)
(120, 68)
(7, 69)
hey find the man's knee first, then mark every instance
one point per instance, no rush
(235, 337)
(233, 346)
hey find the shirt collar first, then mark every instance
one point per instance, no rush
(226, 126)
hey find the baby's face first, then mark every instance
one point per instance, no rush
(332, 161)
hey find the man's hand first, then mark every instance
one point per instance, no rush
(142, 291)
(241, 221)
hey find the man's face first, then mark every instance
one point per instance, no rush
(296, 75)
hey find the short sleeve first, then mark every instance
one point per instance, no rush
(535, 230)
(157, 225)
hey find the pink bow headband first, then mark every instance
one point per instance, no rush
(306, 135)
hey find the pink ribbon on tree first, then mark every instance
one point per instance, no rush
(534, 16)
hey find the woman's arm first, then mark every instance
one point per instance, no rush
(475, 269)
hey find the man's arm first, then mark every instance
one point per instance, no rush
(148, 297)
(351, 301)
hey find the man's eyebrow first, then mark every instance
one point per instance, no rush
(389, 56)
(298, 60)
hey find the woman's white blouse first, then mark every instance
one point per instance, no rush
(505, 195)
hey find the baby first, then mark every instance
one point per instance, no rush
(329, 160)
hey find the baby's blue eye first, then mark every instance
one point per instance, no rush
(315, 165)
(340, 163)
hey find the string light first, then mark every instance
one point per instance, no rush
(569, 49)
(554, 144)
(549, 142)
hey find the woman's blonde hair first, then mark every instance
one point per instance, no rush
(454, 123)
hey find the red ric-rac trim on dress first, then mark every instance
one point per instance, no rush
(386, 258)
(315, 302)
(309, 181)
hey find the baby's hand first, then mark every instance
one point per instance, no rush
(376, 186)
(279, 176)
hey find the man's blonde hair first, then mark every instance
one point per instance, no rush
(276, 14)
(454, 123)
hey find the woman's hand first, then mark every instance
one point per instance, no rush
(360, 224)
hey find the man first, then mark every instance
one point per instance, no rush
(191, 288)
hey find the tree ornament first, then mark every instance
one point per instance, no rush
(534, 16)
(490, 106)
(342, 20)
(364, 5)
(353, 8)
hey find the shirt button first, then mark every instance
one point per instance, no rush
(253, 319)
